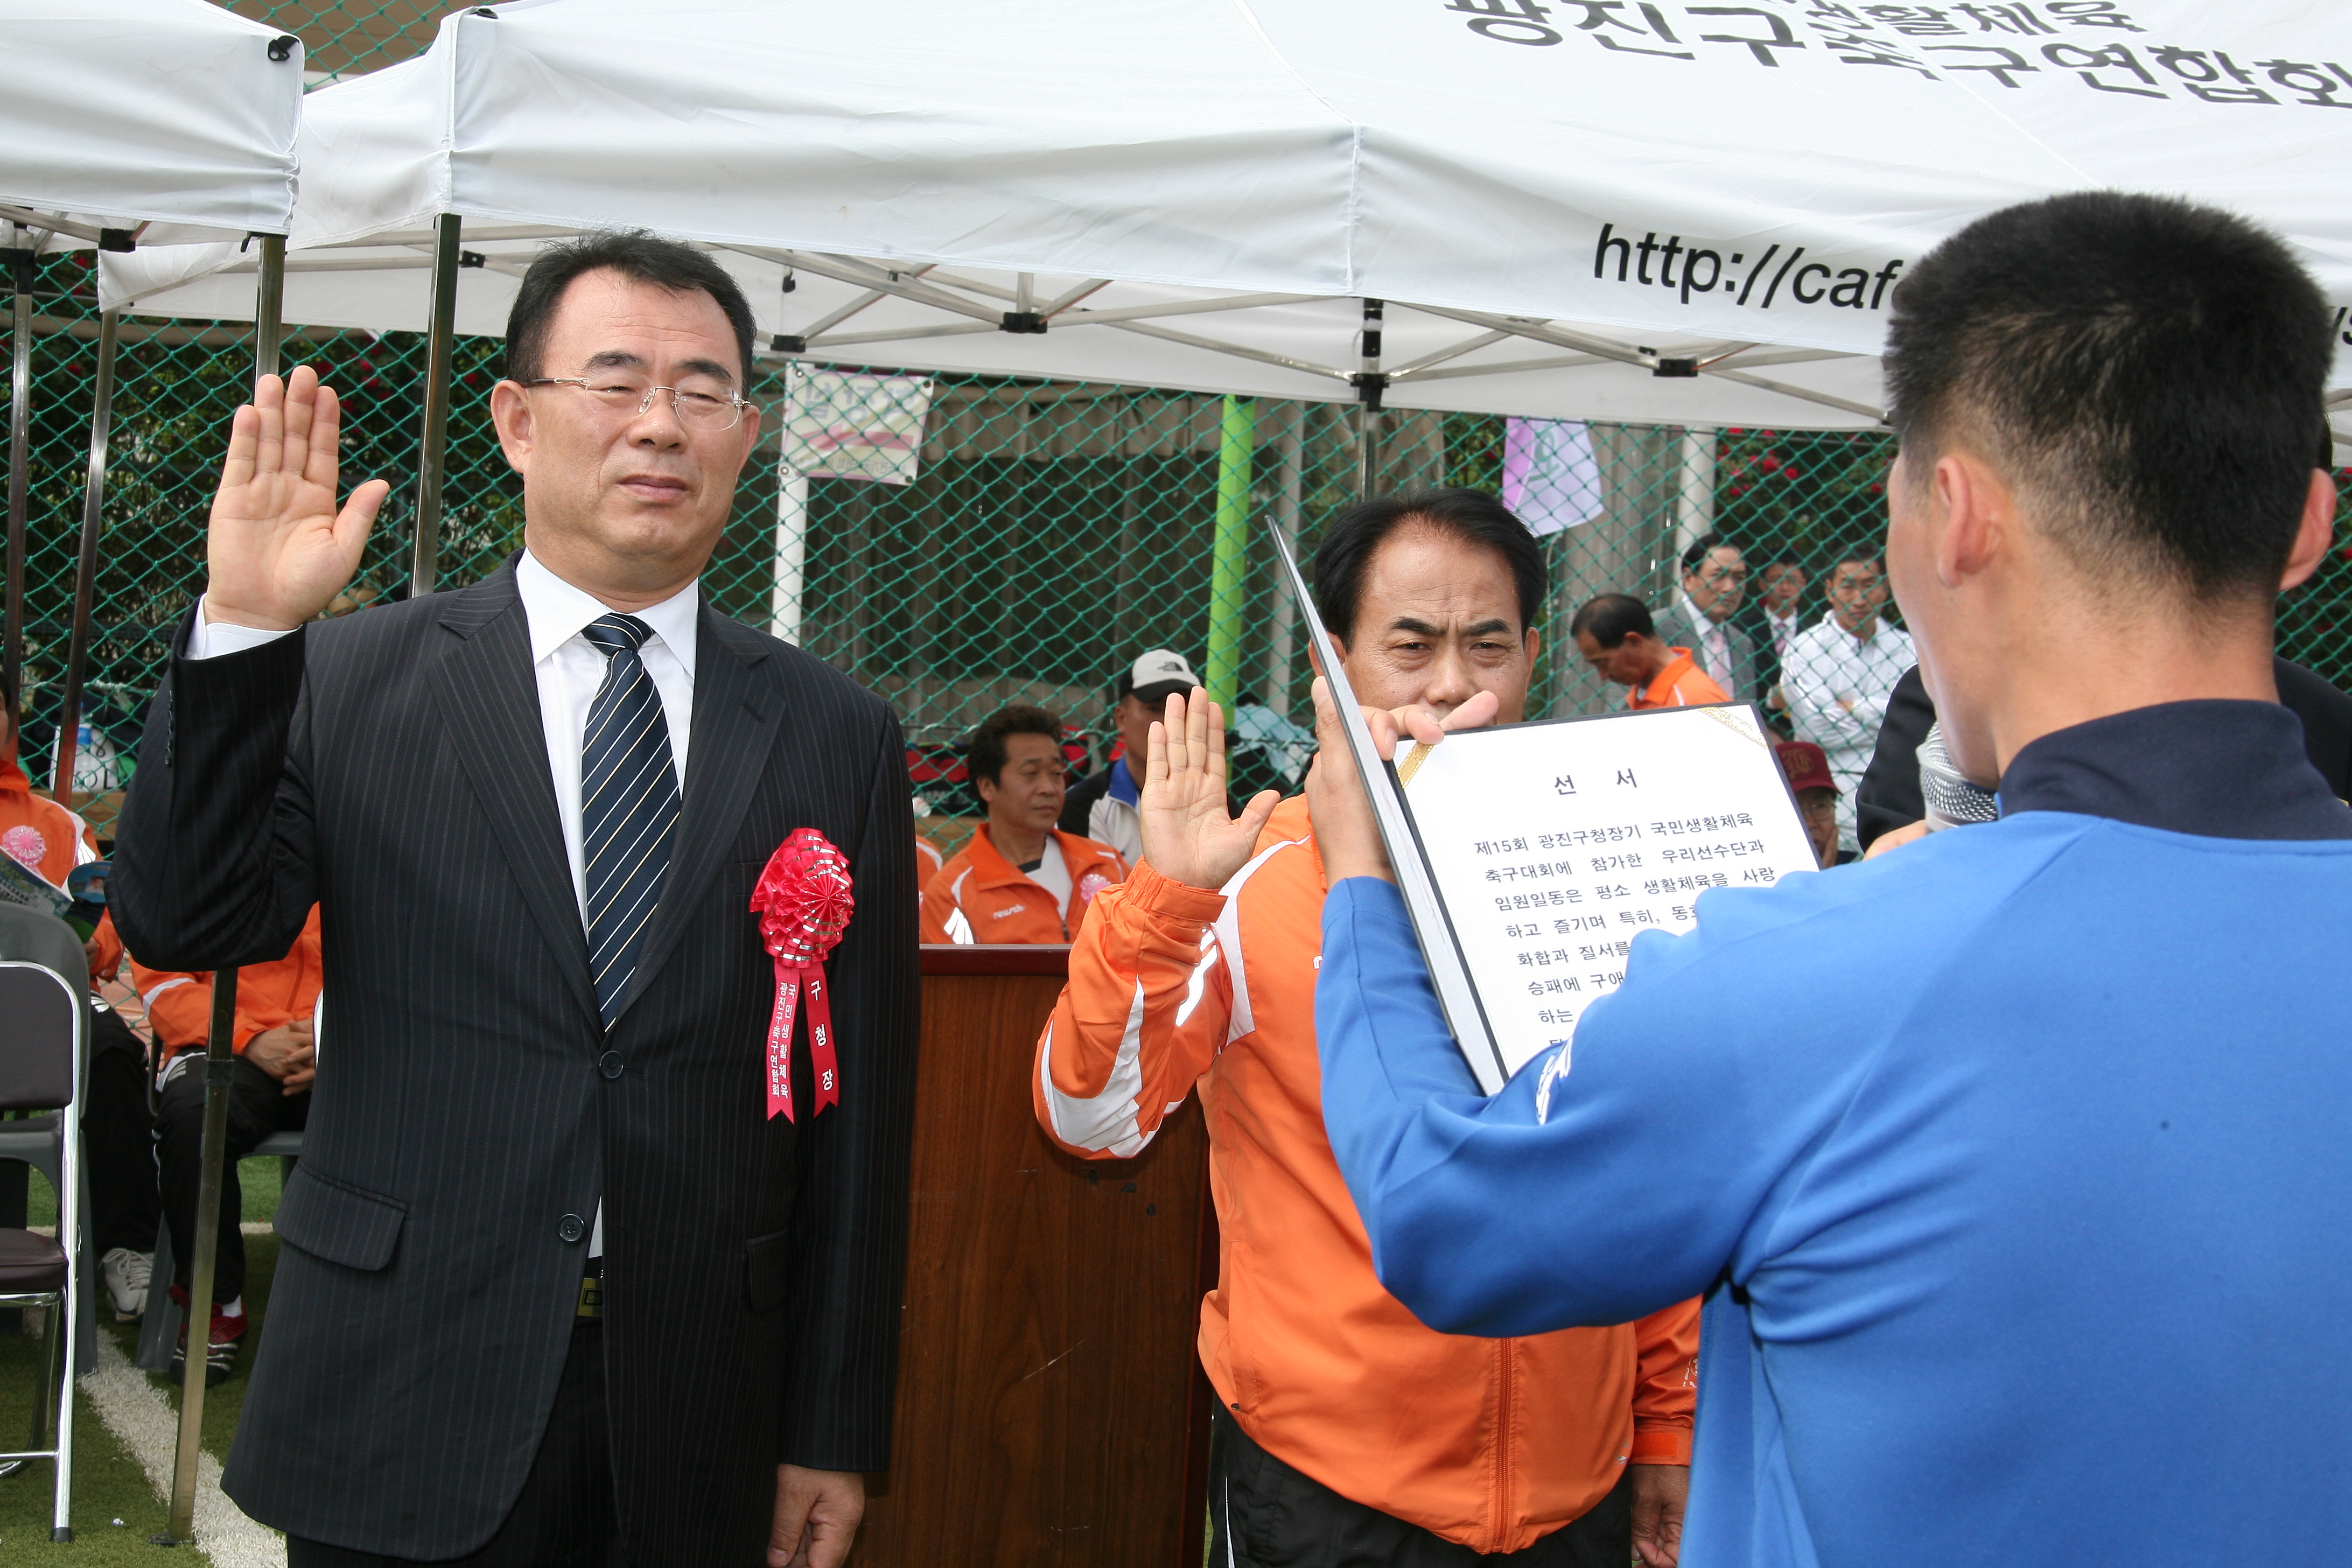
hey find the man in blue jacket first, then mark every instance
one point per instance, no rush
(2022, 1208)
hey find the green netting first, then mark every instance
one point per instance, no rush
(1050, 532)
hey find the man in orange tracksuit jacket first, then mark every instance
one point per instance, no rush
(1615, 634)
(1346, 1431)
(270, 1092)
(1019, 879)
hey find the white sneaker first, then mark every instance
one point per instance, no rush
(126, 1274)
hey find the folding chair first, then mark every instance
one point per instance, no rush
(41, 1067)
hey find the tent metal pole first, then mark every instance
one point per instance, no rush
(433, 444)
(1369, 384)
(93, 513)
(220, 1054)
(1229, 546)
(20, 452)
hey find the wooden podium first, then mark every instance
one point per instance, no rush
(1051, 1408)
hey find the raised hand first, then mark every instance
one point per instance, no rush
(277, 551)
(1187, 836)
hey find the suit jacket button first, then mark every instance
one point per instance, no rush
(611, 1064)
(571, 1228)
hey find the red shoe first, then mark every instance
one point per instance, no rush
(220, 1352)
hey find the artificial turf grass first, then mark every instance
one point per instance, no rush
(108, 1483)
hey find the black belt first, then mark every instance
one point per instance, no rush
(592, 1291)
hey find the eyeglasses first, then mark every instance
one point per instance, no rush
(701, 411)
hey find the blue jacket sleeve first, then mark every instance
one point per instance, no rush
(1594, 1188)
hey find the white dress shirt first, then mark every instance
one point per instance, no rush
(1712, 653)
(569, 669)
(1838, 686)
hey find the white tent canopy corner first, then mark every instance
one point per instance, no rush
(1203, 195)
(166, 121)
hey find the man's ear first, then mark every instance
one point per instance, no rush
(510, 411)
(1532, 644)
(2317, 533)
(1975, 520)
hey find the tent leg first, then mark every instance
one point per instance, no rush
(1236, 451)
(220, 1067)
(791, 554)
(93, 499)
(220, 1057)
(1286, 495)
(20, 453)
(431, 457)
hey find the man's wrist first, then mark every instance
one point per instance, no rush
(219, 614)
(214, 634)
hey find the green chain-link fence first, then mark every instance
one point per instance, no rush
(1050, 530)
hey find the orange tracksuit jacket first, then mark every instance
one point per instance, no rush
(1490, 1443)
(180, 1002)
(1682, 684)
(979, 896)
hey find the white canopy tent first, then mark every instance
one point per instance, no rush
(167, 121)
(1680, 213)
(126, 123)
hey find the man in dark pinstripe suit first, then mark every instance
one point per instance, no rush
(556, 1287)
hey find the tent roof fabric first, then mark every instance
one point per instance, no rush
(167, 117)
(1692, 213)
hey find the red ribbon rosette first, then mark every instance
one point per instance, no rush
(804, 903)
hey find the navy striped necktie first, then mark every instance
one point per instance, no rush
(628, 806)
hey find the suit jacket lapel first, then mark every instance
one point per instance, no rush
(489, 699)
(736, 711)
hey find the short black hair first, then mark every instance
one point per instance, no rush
(1859, 556)
(2146, 375)
(637, 255)
(1612, 618)
(984, 758)
(1474, 517)
(1705, 545)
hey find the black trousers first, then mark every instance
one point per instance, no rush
(118, 1137)
(563, 1517)
(1264, 1514)
(258, 1105)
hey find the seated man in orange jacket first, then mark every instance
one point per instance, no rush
(1346, 1431)
(1019, 879)
(275, 1060)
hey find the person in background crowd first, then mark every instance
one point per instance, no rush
(50, 840)
(1780, 587)
(36, 832)
(928, 861)
(270, 1092)
(1019, 879)
(118, 1125)
(2012, 1206)
(1816, 791)
(1890, 799)
(1101, 806)
(1714, 581)
(1346, 1431)
(1618, 640)
(1841, 674)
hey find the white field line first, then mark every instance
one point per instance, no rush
(138, 1415)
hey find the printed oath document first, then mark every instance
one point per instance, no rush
(1550, 846)
(1530, 856)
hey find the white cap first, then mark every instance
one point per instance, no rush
(1159, 673)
